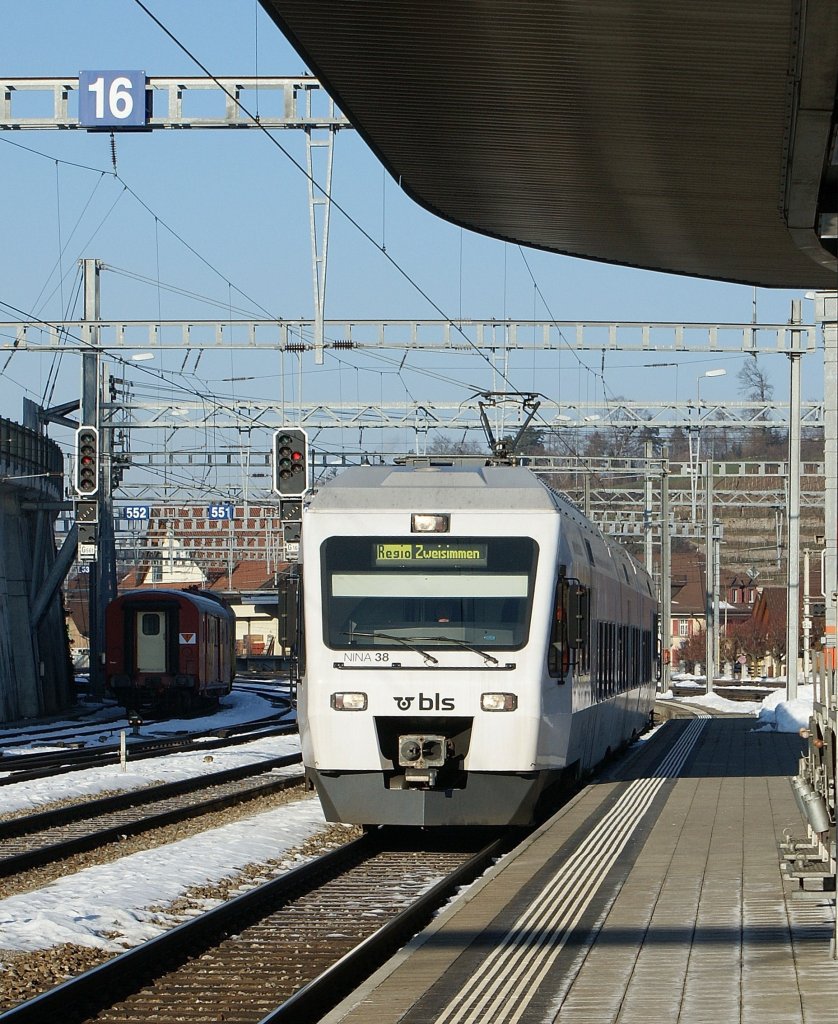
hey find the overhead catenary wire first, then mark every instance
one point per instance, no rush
(302, 170)
(52, 377)
(149, 371)
(607, 396)
(152, 213)
(162, 285)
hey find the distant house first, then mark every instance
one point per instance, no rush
(251, 589)
(769, 617)
(689, 596)
(688, 613)
(770, 608)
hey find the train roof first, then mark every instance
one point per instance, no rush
(418, 487)
(202, 599)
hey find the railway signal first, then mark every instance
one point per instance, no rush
(87, 460)
(87, 521)
(291, 465)
(291, 511)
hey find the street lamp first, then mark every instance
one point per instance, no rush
(695, 436)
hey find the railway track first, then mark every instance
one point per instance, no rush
(37, 839)
(52, 734)
(287, 950)
(77, 734)
(26, 767)
(272, 692)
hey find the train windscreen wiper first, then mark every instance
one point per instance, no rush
(404, 641)
(459, 643)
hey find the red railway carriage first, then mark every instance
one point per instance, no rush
(169, 648)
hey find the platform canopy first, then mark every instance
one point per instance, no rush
(691, 136)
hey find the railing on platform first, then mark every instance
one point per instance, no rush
(825, 680)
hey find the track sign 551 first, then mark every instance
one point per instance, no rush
(87, 460)
(291, 469)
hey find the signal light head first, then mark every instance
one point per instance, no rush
(291, 474)
(87, 460)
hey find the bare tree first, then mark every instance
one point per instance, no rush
(441, 444)
(754, 384)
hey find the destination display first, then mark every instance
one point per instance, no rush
(430, 553)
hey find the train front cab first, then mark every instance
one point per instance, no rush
(481, 766)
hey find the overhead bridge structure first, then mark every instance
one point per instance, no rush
(694, 138)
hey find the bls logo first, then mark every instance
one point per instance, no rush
(434, 703)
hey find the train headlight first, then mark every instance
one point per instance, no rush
(498, 701)
(430, 522)
(349, 701)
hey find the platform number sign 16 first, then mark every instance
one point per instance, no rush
(113, 99)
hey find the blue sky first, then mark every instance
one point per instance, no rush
(236, 200)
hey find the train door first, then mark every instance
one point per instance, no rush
(213, 650)
(151, 641)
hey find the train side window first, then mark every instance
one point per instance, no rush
(570, 631)
(558, 652)
(619, 651)
(611, 644)
(151, 624)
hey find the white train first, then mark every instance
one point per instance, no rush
(469, 637)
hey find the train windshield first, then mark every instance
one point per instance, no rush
(437, 591)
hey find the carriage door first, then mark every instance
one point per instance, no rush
(151, 641)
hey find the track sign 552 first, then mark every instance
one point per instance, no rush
(291, 470)
(87, 460)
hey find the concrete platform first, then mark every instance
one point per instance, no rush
(655, 895)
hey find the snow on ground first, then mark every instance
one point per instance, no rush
(107, 906)
(237, 707)
(32, 795)
(780, 715)
(774, 713)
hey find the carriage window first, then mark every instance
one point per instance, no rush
(151, 624)
(475, 590)
(570, 632)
